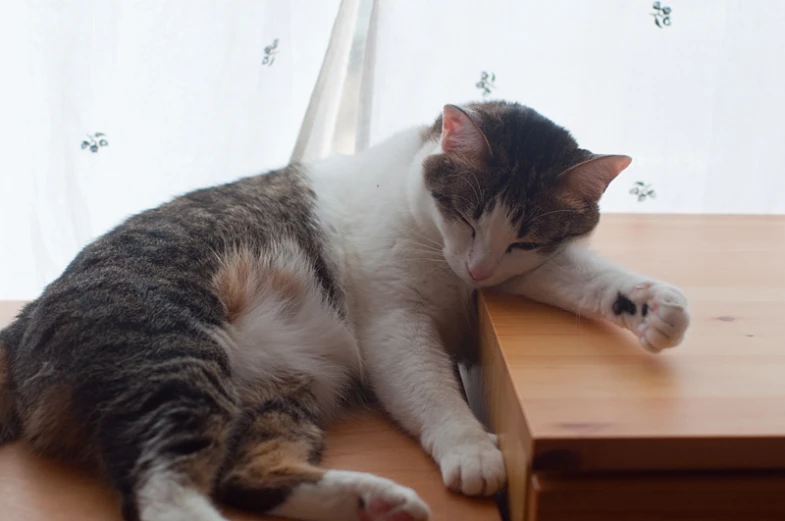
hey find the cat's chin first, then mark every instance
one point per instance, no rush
(483, 284)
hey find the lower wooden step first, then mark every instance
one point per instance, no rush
(658, 497)
(37, 489)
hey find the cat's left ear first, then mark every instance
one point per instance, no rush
(590, 179)
(462, 137)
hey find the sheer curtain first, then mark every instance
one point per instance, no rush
(109, 108)
(112, 107)
(693, 90)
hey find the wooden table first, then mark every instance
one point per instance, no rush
(37, 489)
(595, 429)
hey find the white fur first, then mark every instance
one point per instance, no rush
(164, 497)
(579, 280)
(405, 271)
(406, 301)
(341, 496)
(276, 338)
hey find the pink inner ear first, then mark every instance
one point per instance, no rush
(591, 178)
(461, 136)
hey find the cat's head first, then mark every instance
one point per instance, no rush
(510, 187)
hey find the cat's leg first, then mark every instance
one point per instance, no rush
(163, 433)
(415, 381)
(272, 469)
(578, 280)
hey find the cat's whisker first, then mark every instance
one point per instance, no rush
(432, 262)
(434, 246)
(479, 186)
(425, 256)
(468, 203)
(552, 260)
(434, 242)
(471, 184)
(550, 213)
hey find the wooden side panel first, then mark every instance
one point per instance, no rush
(671, 497)
(506, 415)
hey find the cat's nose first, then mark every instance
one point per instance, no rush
(477, 274)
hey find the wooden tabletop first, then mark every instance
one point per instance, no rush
(37, 489)
(583, 396)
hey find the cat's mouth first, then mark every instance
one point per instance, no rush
(479, 284)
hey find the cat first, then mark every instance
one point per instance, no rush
(195, 352)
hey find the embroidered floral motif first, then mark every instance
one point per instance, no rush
(95, 141)
(643, 191)
(661, 14)
(269, 53)
(486, 83)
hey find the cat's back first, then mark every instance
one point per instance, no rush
(230, 284)
(158, 271)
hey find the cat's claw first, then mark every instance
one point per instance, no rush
(661, 317)
(475, 469)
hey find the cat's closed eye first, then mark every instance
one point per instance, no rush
(466, 221)
(526, 246)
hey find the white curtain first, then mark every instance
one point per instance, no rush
(191, 93)
(181, 94)
(697, 99)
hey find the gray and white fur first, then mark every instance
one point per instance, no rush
(196, 352)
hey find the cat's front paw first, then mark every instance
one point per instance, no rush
(655, 312)
(475, 469)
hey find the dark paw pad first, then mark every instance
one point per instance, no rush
(624, 305)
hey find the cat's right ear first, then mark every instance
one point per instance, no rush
(462, 138)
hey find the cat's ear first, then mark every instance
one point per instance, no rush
(461, 137)
(589, 179)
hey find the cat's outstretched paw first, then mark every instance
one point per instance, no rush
(475, 469)
(656, 313)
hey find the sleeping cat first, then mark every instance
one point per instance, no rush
(196, 351)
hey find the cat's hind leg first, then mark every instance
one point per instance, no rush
(172, 496)
(272, 469)
(347, 495)
(164, 439)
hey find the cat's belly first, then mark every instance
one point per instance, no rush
(283, 335)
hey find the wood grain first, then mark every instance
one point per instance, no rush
(593, 401)
(33, 488)
(506, 417)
